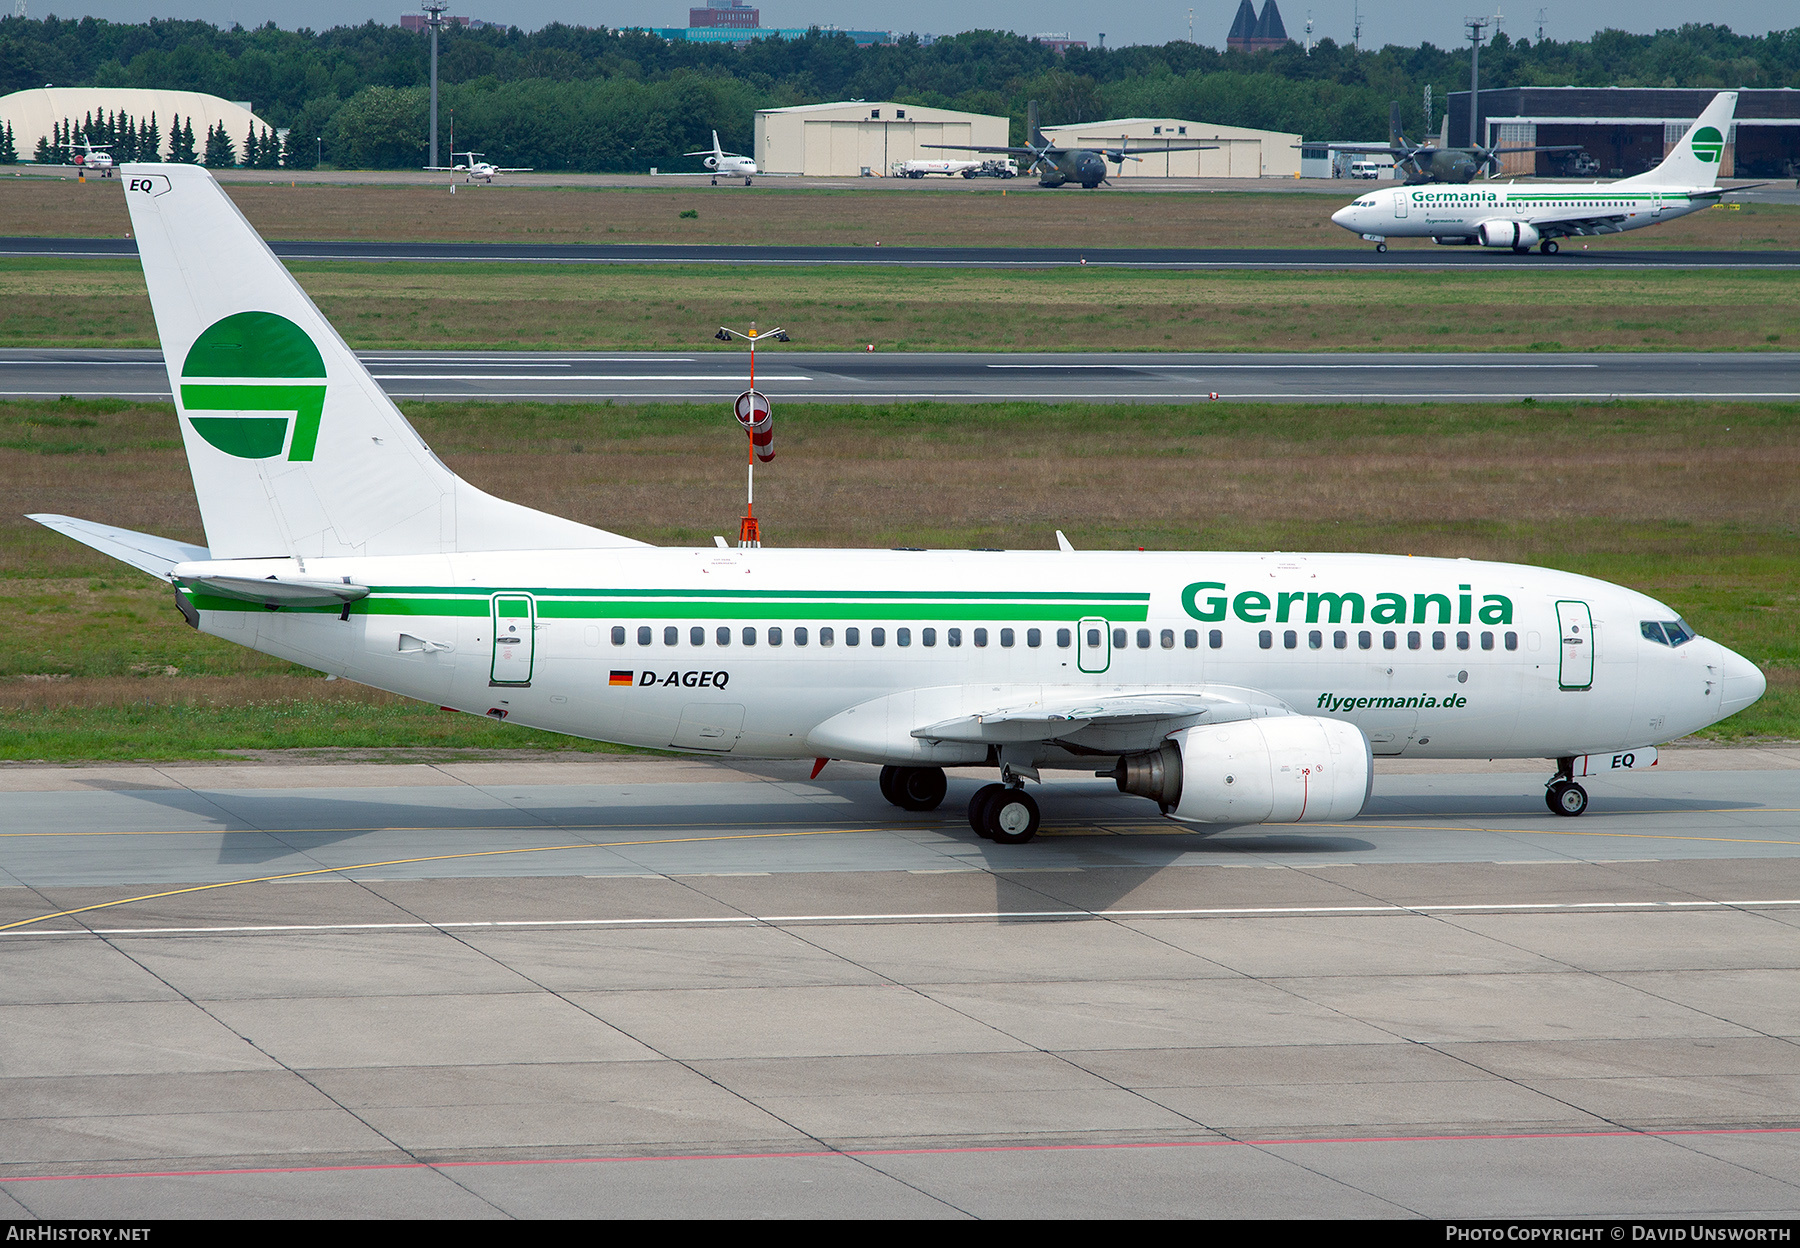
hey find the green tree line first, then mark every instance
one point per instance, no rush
(567, 97)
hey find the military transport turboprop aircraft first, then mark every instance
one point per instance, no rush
(1056, 165)
(1227, 688)
(1420, 163)
(1522, 214)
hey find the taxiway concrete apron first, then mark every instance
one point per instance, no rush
(878, 377)
(1354, 256)
(617, 986)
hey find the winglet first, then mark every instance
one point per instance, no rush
(1062, 543)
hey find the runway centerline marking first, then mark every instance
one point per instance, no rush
(829, 1154)
(947, 916)
(1463, 366)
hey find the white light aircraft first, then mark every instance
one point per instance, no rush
(1227, 688)
(1520, 215)
(728, 163)
(475, 168)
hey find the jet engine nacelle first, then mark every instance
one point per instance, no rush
(711, 162)
(1513, 234)
(1279, 769)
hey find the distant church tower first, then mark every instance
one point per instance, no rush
(1250, 33)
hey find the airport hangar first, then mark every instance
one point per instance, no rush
(852, 138)
(1237, 152)
(33, 113)
(1629, 129)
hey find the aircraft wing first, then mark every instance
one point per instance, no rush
(1014, 151)
(509, 169)
(1179, 147)
(1371, 149)
(1562, 147)
(1583, 227)
(1103, 723)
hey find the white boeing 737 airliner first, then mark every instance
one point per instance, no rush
(1520, 215)
(1228, 688)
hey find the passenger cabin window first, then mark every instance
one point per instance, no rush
(671, 635)
(723, 635)
(1064, 637)
(827, 635)
(1215, 639)
(1412, 641)
(1120, 639)
(1365, 641)
(1512, 641)
(618, 634)
(1006, 636)
(1168, 639)
(928, 636)
(775, 635)
(1143, 638)
(903, 636)
(1290, 639)
(1315, 640)
(643, 634)
(800, 635)
(749, 635)
(1265, 639)
(981, 636)
(852, 637)
(1034, 637)
(878, 636)
(1093, 637)
(954, 636)
(1389, 641)
(1487, 641)
(697, 635)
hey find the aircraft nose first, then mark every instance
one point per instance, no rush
(1342, 217)
(1742, 683)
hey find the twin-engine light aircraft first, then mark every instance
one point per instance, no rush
(1420, 163)
(1521, 215)
(1226, 688)
(475, 168)
(1056, 165)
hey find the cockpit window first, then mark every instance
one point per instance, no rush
(1667, 632)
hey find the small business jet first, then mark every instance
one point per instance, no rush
(730, 164)
(95, 158)
(475, 168)
(1521, 215)
(1226, 688)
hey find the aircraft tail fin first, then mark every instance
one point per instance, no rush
(1396, 135)
(294, 448)
(1444, 132)
(1036, 136)
(1695, 160)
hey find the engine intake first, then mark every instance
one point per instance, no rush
(1514, 234)
(1280, 769)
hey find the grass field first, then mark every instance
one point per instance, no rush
(1697, 504)
(966, 215)
(100, 303)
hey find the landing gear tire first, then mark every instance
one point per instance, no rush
(715, 182)
(978, 808)
(1548, 247)
(887, 785)
(1011, 817)
(918, 788)
(1566, 798)
(1381, 249)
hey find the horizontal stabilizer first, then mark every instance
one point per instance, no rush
(280, 592)
(144, 551)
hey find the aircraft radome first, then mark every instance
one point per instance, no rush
(1520, 215)
(1227, 688)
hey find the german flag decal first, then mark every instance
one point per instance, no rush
(621, 678)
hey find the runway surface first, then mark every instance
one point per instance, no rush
(1351, 256)
(658, 987)
(839, 376)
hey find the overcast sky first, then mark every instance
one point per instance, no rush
(1408, 22)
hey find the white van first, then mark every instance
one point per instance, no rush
(1365, 169)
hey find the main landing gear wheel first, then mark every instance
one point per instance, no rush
(978, 807)
(1566, 798)
(1381, 248)
(1548, 247)
(914, 788)
(1011, 817)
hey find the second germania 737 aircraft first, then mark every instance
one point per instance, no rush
(1520, 215)
(1227, 688)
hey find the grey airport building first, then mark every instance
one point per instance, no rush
(1627, 130)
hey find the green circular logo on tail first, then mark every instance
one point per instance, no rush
(1708, 143)
(259, 379)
